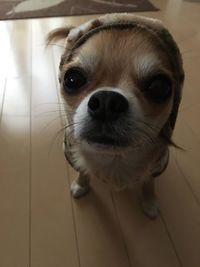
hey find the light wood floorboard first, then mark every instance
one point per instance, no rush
(41, 225)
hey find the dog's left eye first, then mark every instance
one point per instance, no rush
(74, 79)
(159, 88)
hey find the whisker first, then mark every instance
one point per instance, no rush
(52, 44)
(153, 128)
(54, 139)
(49, 103)
(60, 131)
(62, 113)
(52, 121)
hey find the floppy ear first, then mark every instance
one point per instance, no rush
(58, 34)
(73, 33)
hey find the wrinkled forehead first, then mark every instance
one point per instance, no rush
(121, 50)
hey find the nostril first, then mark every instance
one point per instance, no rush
(107, 105)
(94, 103)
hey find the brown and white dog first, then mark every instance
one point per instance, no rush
(121, 78)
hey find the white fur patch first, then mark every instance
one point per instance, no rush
(144, 64)
(78, 190)
(83, 28)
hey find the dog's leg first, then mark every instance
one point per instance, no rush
(80, 186)
(149, 202)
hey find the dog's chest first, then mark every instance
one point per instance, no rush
(120, 171)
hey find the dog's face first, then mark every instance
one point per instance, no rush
(119, 85)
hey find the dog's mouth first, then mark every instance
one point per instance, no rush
(107, 141)
(104, 136)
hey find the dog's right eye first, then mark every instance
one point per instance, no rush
(74, 80)
(159, 88)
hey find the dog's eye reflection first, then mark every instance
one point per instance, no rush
(74, 80)
(158, 89)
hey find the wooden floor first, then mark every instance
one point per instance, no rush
(40, 224)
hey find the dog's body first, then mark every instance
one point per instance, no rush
(121, 77)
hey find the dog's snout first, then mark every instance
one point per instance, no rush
(107, 105)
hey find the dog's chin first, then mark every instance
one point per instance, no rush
(105, 145)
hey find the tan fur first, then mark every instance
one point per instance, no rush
(58, 34)
(115, 66)
(119, 52)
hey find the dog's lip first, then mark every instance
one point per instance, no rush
(107, 141)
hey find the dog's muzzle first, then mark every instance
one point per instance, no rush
(107, 112)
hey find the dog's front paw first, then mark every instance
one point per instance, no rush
(78, 190)
(151, 208)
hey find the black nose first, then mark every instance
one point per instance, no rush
(107, 105)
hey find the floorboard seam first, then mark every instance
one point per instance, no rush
(171, 241)
(120, 227)
(3, 98)
(30, 161)
(187, 182)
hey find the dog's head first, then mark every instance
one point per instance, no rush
(121, 77)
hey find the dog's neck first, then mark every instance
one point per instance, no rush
(120, 170)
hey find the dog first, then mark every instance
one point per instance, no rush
(121, 78)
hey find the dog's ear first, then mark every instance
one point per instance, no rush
(73, 33)
(58, 34)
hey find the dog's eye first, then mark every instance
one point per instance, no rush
(159, 88)
(74, 79)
